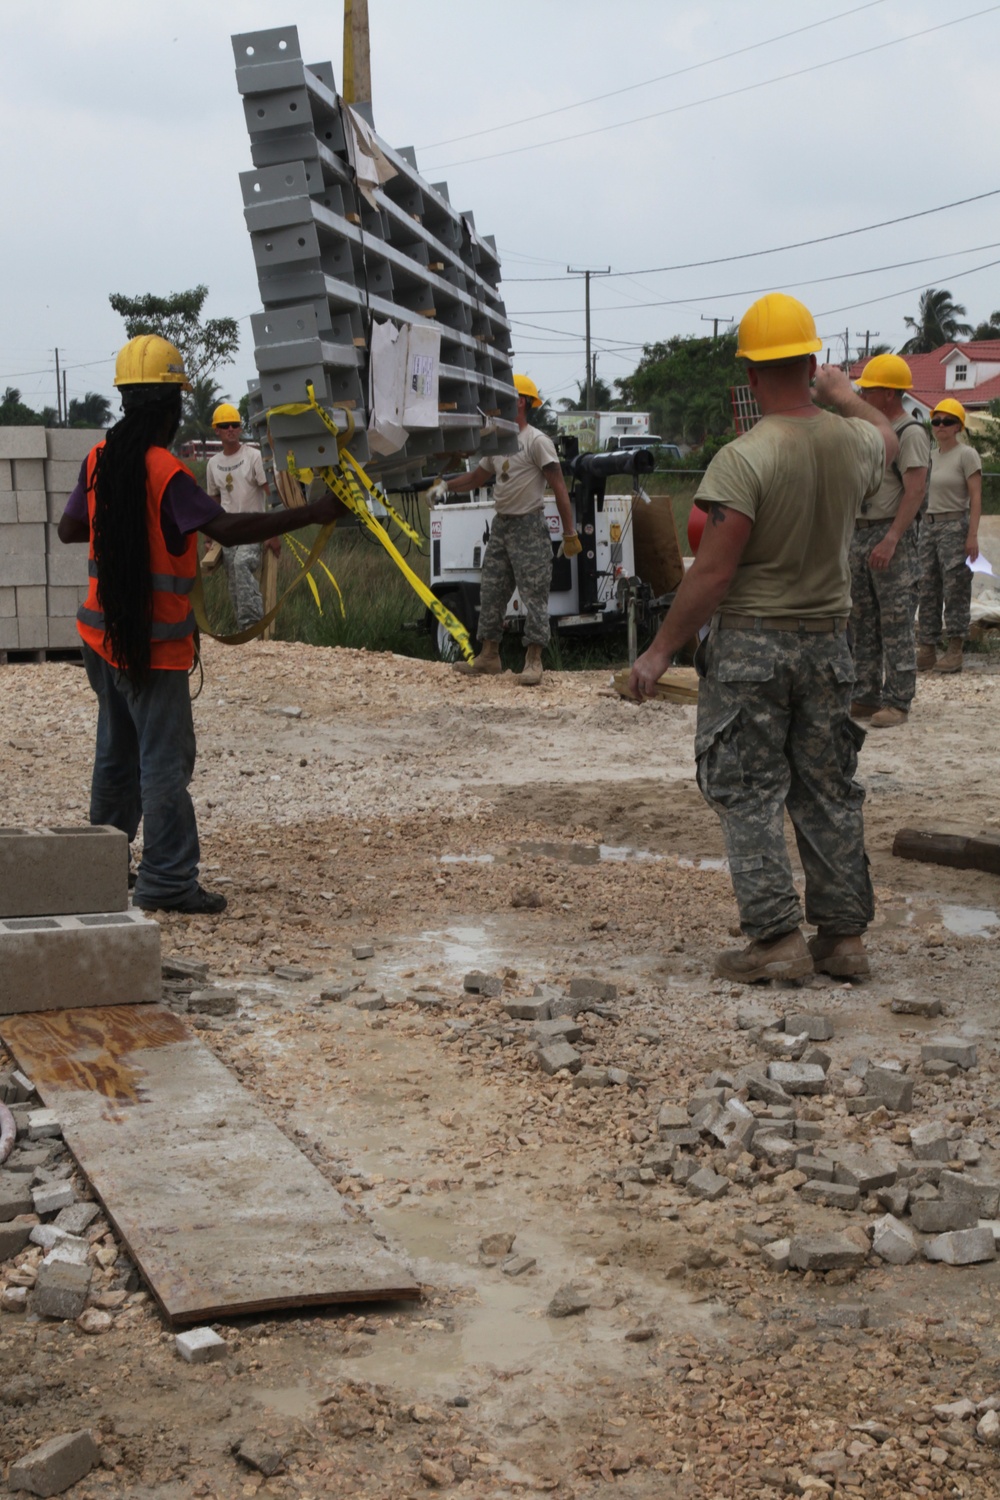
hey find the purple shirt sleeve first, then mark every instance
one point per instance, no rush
(185, 508)
(76, 505)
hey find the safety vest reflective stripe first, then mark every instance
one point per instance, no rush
(159, 630)
(165, 583)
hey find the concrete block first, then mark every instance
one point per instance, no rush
(66, 568)
(22, 541)
(563, 1029)
(55, 504)
(61, 1289)
(8, 508)
(894, 1090)
(816, 1028)
(834, 1194)
(774, 1149)
(478, 983)
(43, 1124)
(31, 603)
(950, 1049)
(58, 1463)
(925, 1007)
(936, 1067)
(71, 1249)
(530, 1009)
(865, 1171)
(824, 1252)
(591, 1078)
(63, 635)
(33, 633)
(63, 443)
(50, 1197)
(597, 990)
(368, 1000)
(735, 1127)
(15, 1196)
(63, 871)
(798, 1078)
(52, 963)
(63, 603)
(18, 569)
(22, 442)
(707, 1185)
(938, 1215)
(894, 1199)
(965, 1247)
(893, 1241)
(679, 1137)
(362, 950)
(672, 1117)
(8, 632)
(28, 474)
(775, 1254)
(6, 475)
(8, 604)
(557, 1056)
(759, 1086)
(846, 1315)
(214, 1002)
(199, 1346)
(683, 1169)
(14, 1237)
(62, 473)
(930, 1141)
(659, 1159)
(31, 507)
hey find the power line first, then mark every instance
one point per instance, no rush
(747, 88)
(753, 291)
(648, 82)
(903, 291)
(87, 365)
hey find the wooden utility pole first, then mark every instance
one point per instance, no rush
(711, 318)
(357, 53)
(59, 410)
(587, 275)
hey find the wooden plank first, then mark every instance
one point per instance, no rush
(679, 685)
(950, 846)
(222, 1214)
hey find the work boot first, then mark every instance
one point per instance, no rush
(200, 903)
(926, 657)
(532, 674)
(844, 957)
(888, 718)
(487, 663)
(951, 661)
(861, 710)
(784, 957)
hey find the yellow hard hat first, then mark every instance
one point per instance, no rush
(886, 372)
(150, 360)
(525, 386)
(951, 408)
(225, 412)
(777, 327)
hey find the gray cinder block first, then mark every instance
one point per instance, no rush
(8, 604)
(8, 632)
(31, 506)
(30, 603)
(20, 569)
(55, 1465)
(33, 632)
(65, 568)
(63, 473)
(64, 443)
(22, 541)
(8, 508)
(28, 474)
(63, 603)
(22, 442)
(101, 958)
(63, 634)
(63, 871)
(6, 476)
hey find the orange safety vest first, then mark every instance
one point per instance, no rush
(172, 624)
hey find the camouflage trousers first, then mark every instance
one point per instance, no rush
(242, 571)
(774, 732)
(884, 604)
(945, 578)
(519, 552)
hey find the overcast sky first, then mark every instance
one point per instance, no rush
(125, 139)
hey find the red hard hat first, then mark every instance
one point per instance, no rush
(696, 525)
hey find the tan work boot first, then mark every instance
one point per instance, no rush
(926, 657)
(486, 663)
(951, 661)
(532, 674)
(784, 957)
(860, 710)
(844, 957)
(888, 718)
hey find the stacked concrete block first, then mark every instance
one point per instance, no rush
(56, 952)
(42, 581)
(331, 257)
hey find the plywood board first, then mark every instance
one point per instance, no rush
(220, 1211)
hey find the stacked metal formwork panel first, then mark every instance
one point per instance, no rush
(330, 259)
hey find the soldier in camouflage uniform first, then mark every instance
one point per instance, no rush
(519, 551)
(949, 534)
(774, 730)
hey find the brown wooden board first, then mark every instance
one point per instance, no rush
(678, 685)
(222, 1214)
(950, 846)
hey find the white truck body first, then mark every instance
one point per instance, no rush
(593, 429)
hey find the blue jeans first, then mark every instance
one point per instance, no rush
(143, 764)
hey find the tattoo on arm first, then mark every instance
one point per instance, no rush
(717, 514)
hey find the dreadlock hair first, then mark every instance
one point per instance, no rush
(150, 417)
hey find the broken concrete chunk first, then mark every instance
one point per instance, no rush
(707, 1185)
(478, 983)
(497, 1246)
(864, 1170)
(50, 1197)
(894, 1241)
(659, 1159)
(591, 1078)
(889, 1087)
(835, 1194)
(76, 1218)
(362, 950)
(782, 1045)
(950, 1049)
(938, 1215)
(533, 1009)
(797, 1078)
(183, 968)
(817, 1028)
(14, 1299)
(592, 989)
(816, 1168)
(43, 1123)
(683, 1169)
(824, 1252)
(557, 1056)
(672, 1117)
(846, 1315)
(517, 1265)
(15, 1195)
(735, 1127)
(936, 1067)
(61, 1289)
(894, 1199)
(759, 1086)
(13, 1238)
(988, 1429)
(563, 1029)
(257, 1453)
(368, 1000)
(775, 1149)
(214, 1002)
(963, 1247)
(54, 1465)
(930, 1141)
(916, 1007)
(775, 1254)
(567, 1302)
(198, 1346)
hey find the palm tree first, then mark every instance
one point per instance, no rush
(94, 410)
(988, 330)
(199, 404)
(603, 397)
(936, 323)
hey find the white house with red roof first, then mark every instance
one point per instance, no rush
(968, 372)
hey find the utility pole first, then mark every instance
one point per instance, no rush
(59, 406)
(357, 53)
(65, 402)
(870, 333)
(587, 275)
(708, 318)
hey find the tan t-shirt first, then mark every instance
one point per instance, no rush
(949, 491)
(239, 482)
(520, 485)
(800, 480)
(914, 453)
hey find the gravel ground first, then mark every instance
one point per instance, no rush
(542, 837)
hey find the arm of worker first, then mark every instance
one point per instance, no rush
(975, 487)
(74, 525)
(459, 484)
(557, 484)
(702, 590)
(914, 489)
(833, 388)
(260, 526)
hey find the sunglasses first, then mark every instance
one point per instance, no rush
(944, 421)
(236, 425)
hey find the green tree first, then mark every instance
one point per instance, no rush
(988, 330)
(199, 405)
(937, 322)
(92, 410)
(685, 383)
(14, 413)
(603, 397)
(204, 345)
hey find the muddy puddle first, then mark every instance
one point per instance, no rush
(962, 921)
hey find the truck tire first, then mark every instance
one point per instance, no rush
(455, 600)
